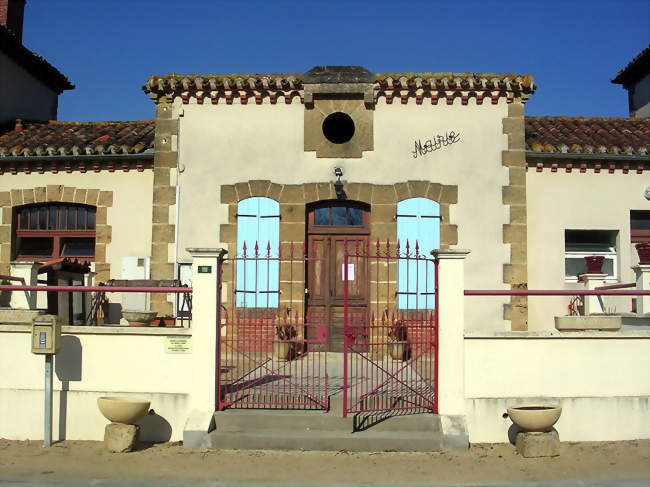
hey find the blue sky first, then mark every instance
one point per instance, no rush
(108, 48)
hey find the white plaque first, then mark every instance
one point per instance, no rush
(350, 272)
(176, 344)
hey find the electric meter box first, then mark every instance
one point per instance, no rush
(46, 334)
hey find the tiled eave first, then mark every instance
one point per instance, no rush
(432, 87)
(583, 163)
(78, 141)
(593, 137)
(76, 164)
(635, 70)
(36, 65)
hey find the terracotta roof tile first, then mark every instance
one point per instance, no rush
(588, 135)
(404, 86)
(78, 138)
(36, 65)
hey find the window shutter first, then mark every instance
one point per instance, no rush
(418, 223)
(258, 223)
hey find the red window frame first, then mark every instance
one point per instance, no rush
(43, 227)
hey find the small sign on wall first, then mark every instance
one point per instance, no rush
(205, 269)
(350, 272)
(178, 345)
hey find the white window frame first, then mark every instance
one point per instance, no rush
(611, 255)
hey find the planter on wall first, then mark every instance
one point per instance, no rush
(643, 249)
(139, 317)
(591, 322)
(594, 264)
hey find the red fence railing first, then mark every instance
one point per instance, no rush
(391, 351)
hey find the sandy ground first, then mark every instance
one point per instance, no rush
(171, 462)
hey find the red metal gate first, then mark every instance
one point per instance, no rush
(271, 353)
(390, 351)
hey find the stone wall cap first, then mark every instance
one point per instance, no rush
(338, 74)
(206, 252)
(450, 253)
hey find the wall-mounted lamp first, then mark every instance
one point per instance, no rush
(338, 185)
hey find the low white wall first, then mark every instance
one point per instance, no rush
(601, 380)
(93, 362)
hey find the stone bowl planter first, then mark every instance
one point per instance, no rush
(535, 417)
(139, 317)
(123, 410)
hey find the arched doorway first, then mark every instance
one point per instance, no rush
(331, 225)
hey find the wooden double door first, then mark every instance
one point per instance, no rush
(326, 282)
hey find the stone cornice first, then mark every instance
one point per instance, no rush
(419, 87)
(54, 165)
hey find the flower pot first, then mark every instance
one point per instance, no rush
(397, 350)
(282, 350)
(594, 264)
(643, 249)
(167, 321)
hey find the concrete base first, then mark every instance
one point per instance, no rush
(316, 430)
(533, 445)
(121, 438)
(197, 427)
(591, 322)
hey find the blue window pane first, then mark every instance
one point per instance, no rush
(91, 218)
(24, 219)
(355, 216)
(62, 217)
(33, 218)
(72, 217)
(81, 218)
(338, 215)
(51, 223)
(42, 218)
(322, 216)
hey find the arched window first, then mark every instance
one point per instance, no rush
(418, 223)
(48, 231)
(258, 280)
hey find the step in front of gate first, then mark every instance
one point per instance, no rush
(312, 430)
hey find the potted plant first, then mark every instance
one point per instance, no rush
(167, 321)
(643, 249)
(398, 347)
(284, 346)
(594, 264)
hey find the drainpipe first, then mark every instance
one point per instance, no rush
(177, 216)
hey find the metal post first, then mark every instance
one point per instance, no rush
(346, 329)
(47, 435)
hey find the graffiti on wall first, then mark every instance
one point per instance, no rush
(435, 143)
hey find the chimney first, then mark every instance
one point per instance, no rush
(11, 17)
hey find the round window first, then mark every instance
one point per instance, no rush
(338, 127)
